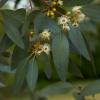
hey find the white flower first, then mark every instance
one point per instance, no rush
(63, 20)
(65, 27)
(39, 52)
(81, 17)
(45, 34)
(60, 2)
(46, 48)
(76, 8)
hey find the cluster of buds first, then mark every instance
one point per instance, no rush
(57, 2)
(38, 48)
(52, 9)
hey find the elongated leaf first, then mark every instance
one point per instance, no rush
(16, 17)
(13, 33)
(20, 74)
(48, 71)
(93, 12)
(91, 89)
(91, 27)
(2, 2)
(17, 56)
(77, 40)
(5, 43)
(12, 24)
(44, 63)
(60, 50)
(55, 88)
(32, 74)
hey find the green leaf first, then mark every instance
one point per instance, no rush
(60, 50)
(13, 33)
(5, 43)
(44, 63)
(12, 24)
(91, 89)
(2, 2)
(32, 74)
(78, 41)
(91, 27)
(93, 12)
(42, 22)
(16, 17)
(48, 70)
(17, 56)
(55, 88)
(20, 74)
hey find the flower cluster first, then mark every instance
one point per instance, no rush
(45, 35)
(38, 48)
(74, 17)
(77, 16)
(63, 22)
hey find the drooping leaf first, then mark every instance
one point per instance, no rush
(12, 24)
(55, 88)
(60, 50)
(13, 33)
(16, 17)
(78, 41)
(5, 43)
(17, 56)
(32, 74)
(92, 12)
(48, 71)
(44, 63)
(20, 74)
(91, 27)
